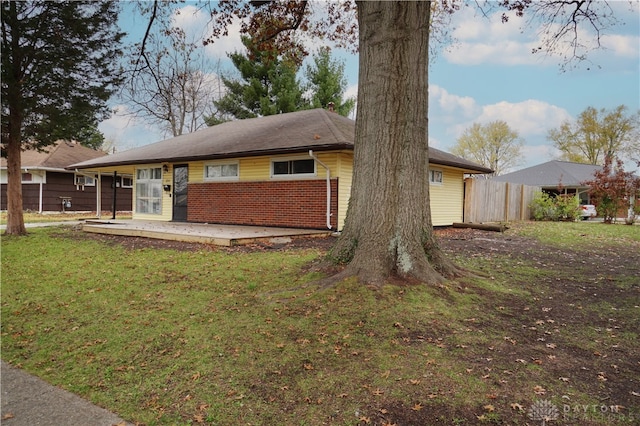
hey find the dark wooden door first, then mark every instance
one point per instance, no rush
(180, 181)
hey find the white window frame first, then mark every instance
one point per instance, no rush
(153, 183)
(293, 175)
(83, 180)
(221, 164)
(122, 178)
(37, 176)
(433, 174)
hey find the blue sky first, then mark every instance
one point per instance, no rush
(487, 74)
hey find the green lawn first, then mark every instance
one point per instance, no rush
(223, 337)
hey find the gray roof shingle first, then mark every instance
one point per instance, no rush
(551, 174)
(295, 132)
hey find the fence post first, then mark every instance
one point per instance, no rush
(468, 194)
(522, 206)
(506, 202)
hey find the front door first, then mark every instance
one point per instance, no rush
(180, 180)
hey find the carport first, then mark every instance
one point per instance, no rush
(222, 235)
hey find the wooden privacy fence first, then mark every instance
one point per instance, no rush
(492, 201)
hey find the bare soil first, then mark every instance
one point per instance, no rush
(586, 291)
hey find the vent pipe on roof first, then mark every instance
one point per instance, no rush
(312, 155)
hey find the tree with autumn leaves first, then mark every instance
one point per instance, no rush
(613, 190)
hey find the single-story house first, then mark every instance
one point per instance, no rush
(288, 170)
(556, 177)
(48, 186)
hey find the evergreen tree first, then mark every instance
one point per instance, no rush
(58, 71)
(327, 83)
(268, 86)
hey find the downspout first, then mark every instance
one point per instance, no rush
(312, 155)
(99, 196)
(41, 194)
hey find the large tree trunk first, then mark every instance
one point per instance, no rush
(15, 217)
(388, 229)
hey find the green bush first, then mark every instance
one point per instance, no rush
(542, 207)
(562, 207)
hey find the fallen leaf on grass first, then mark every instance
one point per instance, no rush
(414, 381)
(417, 407)
(516, 406)
(564, 379)
(378, 392)
(364, 419)
(490, 408)
(539, 390)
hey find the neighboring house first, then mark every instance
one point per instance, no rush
(268, 171)
(47, 186)
(556, 177)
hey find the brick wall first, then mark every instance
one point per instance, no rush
(287, 203)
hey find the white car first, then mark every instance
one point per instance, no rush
(588, 211)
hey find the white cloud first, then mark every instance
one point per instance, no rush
(536, 154)
(450, 103)
(487, 40)
(622, 45)
(196, 24)
(126, 131)
(529, 118)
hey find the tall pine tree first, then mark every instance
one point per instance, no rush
(267, 85)
(327, 83)
(58, 71)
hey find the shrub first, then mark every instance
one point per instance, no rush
(547, 207)
(542, 207)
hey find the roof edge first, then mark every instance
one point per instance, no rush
(256, 153)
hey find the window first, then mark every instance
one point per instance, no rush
(221, 171)
(149, 190)
(82, 180)
(435, 176)
(27, 177)
(293, 167)
(127, 181)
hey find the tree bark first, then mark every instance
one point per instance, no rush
(388, 229)
(13, 139)
(15, 216)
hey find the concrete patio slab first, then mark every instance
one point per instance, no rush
(222, 235)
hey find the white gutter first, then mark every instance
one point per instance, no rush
(311, 154)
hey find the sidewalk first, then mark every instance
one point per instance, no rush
(42, 224)
(30, 401)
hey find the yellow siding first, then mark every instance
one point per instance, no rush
(447, 199)
(345, 177)
(196, 172)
